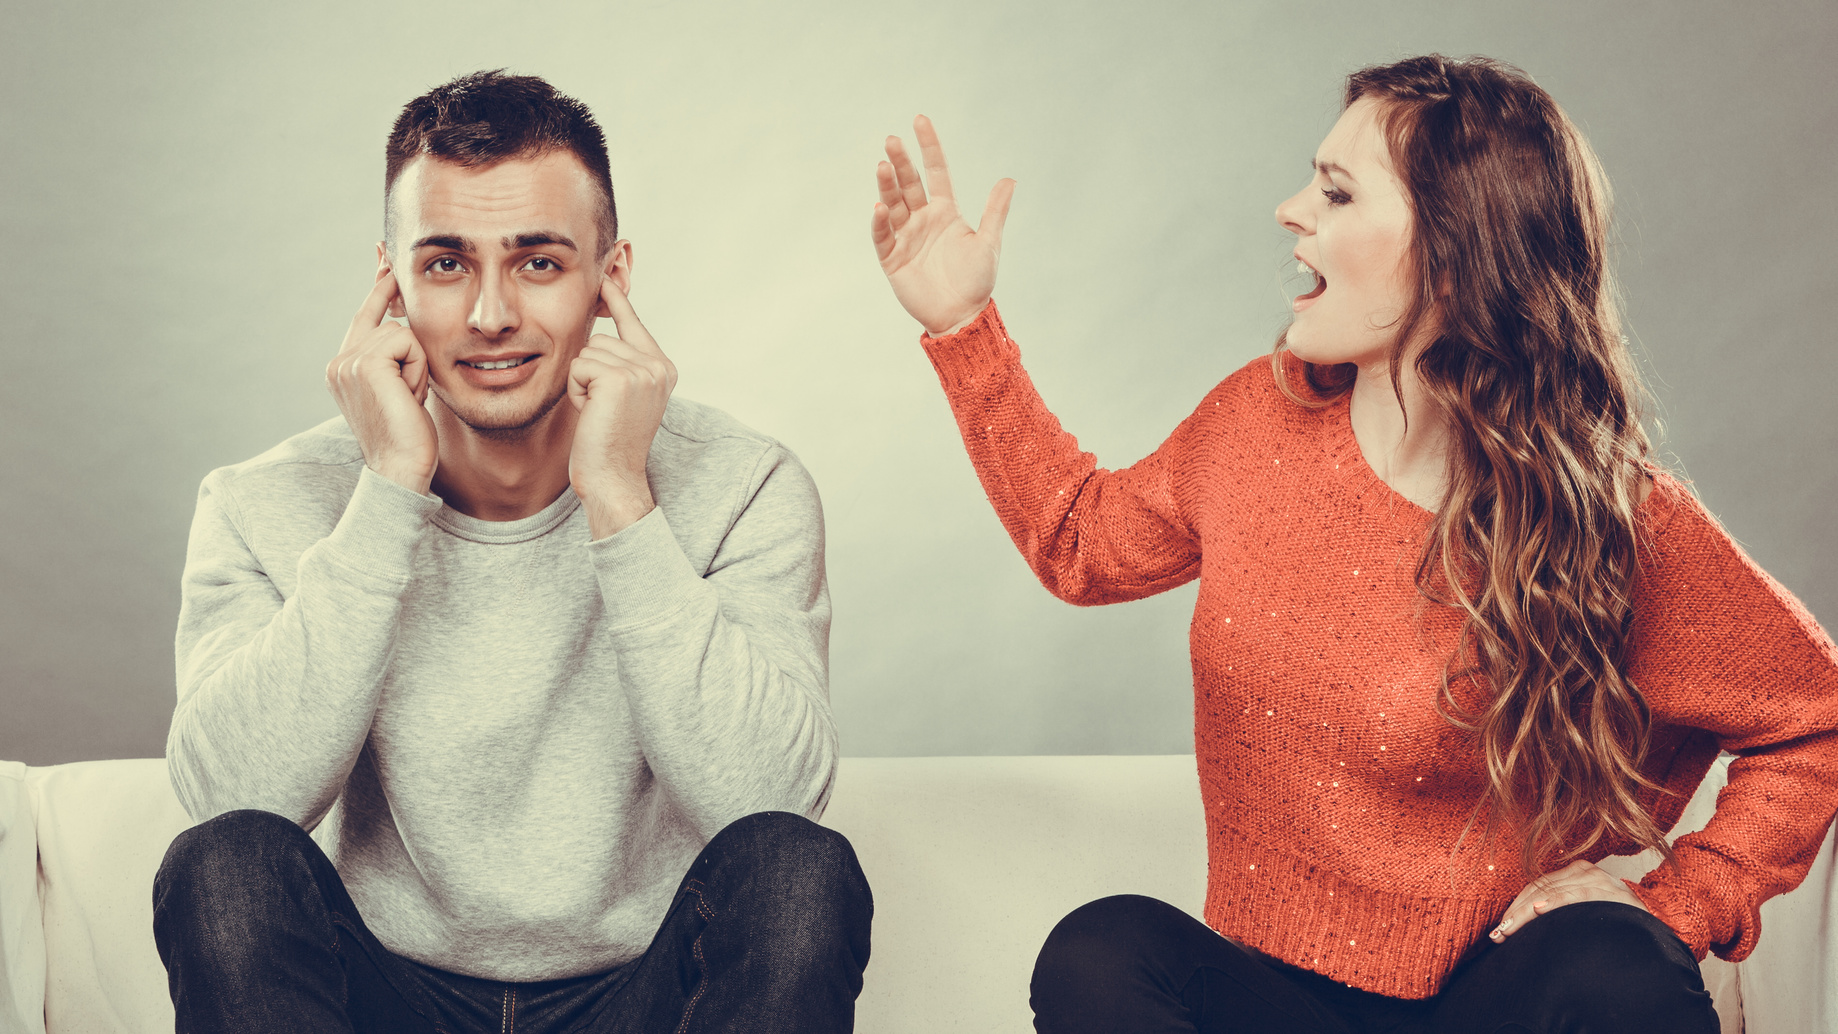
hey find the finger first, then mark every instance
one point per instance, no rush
(880, 228)
(614, 352)
(626, 318)
(995, 212)
(376, 303)
(912, 191)
(581, 375)
(891, 196)
(937, 173)
(415, 369)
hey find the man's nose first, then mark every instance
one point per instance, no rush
(494, 310)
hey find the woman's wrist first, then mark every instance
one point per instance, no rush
(960, 324)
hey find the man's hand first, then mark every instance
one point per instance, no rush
(1578, 881)
(942, 271)
(380, 380)
(619, 385)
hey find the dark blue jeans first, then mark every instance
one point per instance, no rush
(768, 932)
(1138, 965)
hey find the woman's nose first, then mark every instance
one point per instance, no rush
(1293, 214)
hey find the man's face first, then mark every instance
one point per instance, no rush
(499, 280)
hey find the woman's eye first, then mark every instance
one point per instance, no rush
(1336, 196)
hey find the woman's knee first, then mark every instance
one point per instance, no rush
(1102, 938)
(1618, 965)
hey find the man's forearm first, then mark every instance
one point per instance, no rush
(276, 696)
(727, 676)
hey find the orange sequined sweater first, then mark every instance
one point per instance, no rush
(1334, 793)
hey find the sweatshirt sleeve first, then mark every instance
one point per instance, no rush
(1091, 535)
(726, 670)
(276, 696)
(1723, 647)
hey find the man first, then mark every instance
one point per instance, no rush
(537, 653)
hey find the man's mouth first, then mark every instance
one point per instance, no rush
(497, 364)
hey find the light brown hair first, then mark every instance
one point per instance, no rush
(1537, 540)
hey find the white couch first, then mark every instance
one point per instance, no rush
(972, 861)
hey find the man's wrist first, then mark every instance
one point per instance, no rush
(610, 513)
(409, 476)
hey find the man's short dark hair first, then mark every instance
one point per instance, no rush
(489, 117)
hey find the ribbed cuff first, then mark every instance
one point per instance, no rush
(643, 573)
(978, 352)
(381, 529)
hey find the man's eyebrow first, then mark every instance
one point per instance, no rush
(446, 242)
(537, 240)
(1332, 167)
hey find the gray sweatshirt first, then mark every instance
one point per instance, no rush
(510, 740)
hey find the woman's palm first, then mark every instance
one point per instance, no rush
(941, 270)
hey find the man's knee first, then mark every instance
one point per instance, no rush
(794, 876)
(793, 854)
(227, 868)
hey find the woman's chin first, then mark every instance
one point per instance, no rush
(1310, 349)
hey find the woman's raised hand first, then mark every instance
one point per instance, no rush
(941, 270)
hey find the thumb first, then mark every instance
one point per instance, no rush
(995, 212)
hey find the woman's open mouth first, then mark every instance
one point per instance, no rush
(1303, 301)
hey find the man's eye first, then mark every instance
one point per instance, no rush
(542, 264)
(446, 265)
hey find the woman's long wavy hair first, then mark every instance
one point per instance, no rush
(1536, 540)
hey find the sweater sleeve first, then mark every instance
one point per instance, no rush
(276, 696)
(1721, 646)
(726, 670)
(1091, 535)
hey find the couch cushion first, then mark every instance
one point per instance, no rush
(103, 828)
(973, 860)
(22, 939)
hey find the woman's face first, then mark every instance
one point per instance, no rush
(1353, 226)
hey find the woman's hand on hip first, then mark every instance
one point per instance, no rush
(1578, 881)
(941, 270)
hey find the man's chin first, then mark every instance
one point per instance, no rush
(499, 419)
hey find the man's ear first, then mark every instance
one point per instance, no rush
(383, 267)
(617, 267)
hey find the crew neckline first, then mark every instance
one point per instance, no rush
(523, 529)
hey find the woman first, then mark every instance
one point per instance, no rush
(1457, 637)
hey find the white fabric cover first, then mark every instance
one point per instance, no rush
(103, 827)
(1790, 983)
(22, 940)
(972, 861)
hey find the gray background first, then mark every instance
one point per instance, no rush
(190, 197)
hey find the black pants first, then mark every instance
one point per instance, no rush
(768, 932)
(1133, 965)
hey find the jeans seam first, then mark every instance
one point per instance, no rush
(344, 975)
(695, 948)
